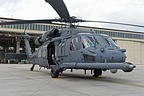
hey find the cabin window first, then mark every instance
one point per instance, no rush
(43, 52)
(60, 49)
(39, 52)
(74, 44)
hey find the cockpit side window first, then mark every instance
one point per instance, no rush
(74, 44)
(87, 41)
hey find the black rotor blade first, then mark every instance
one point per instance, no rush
(47, 21)
(59, 7)
(116, 23)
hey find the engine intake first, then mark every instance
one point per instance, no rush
(47, 36)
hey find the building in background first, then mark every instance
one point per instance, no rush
(11, 39)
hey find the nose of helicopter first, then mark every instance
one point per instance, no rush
(111, 55)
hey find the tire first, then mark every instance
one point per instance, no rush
(97, 72)
(31, 69)
(54, 73)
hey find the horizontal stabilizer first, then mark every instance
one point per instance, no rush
(19, 56)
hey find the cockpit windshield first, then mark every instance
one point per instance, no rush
(105, 40)
(97, 40)
(109, 41)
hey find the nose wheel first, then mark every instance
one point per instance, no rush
(97, 72)
(54, 73)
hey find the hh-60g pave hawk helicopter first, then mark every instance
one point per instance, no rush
(74, 48)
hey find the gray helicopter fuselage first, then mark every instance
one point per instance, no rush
(73, 48)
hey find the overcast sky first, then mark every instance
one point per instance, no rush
(126, 11)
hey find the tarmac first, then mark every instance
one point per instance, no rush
(18, 80)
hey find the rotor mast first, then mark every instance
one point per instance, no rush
(61, 9)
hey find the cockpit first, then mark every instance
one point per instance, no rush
(95, 48)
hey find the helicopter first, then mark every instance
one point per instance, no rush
(74, 48)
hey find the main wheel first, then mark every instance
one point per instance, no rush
(54, 73)
(97, 72)
(31, 69)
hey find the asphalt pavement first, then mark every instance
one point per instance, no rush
(18, 80)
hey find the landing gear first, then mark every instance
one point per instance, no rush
(32, 67)
(97, 72)
(55, 71)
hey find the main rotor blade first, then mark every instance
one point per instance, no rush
(48, 21)
(59, 7)
(116, 23)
